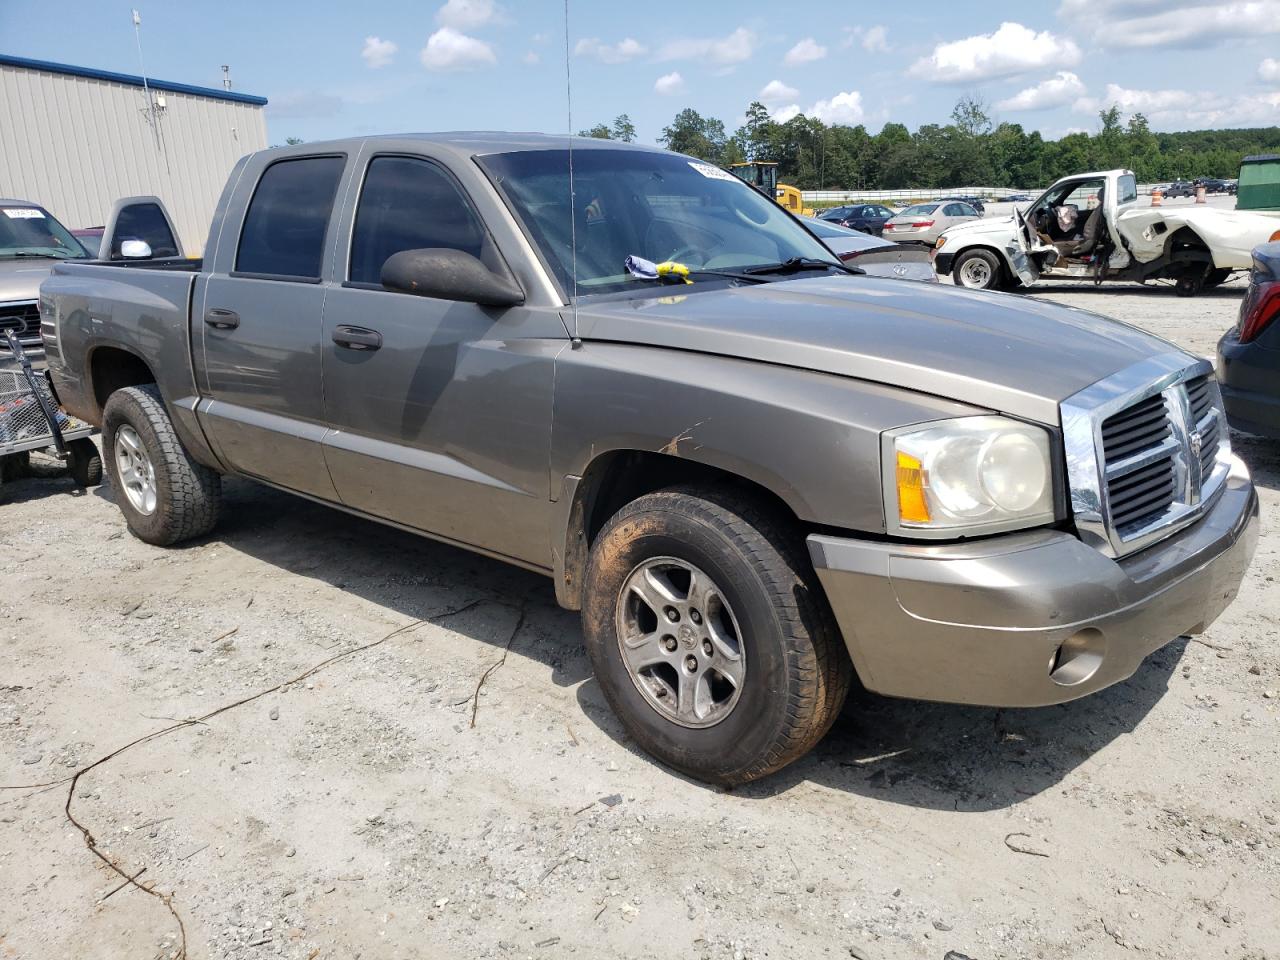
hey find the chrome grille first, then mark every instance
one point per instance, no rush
(1146, 449)
(24, 319)
(1137, 448)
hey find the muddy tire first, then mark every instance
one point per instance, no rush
(709, 635)
(165, 496)
(978, 270)
(84, 462)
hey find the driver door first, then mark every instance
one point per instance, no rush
(1020, 248)
(439, 411)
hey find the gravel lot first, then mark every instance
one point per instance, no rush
(379, 807)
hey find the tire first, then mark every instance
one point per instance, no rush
(795, 671)
(182, 498)
(1190, 282)
(84, 462)
(14, 466)
(984, 270)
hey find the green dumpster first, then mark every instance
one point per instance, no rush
(1259, 183)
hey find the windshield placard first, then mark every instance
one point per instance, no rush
(23, 213)
(712, 172)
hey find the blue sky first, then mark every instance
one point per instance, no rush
(391, 65)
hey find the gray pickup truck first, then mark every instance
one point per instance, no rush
(756, 472)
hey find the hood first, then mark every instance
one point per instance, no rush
(1003, 352)
(20, 277)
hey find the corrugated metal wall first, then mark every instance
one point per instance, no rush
(75, 145)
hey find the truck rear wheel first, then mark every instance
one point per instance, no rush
(165, 496)
(709, 636)
(978, 270)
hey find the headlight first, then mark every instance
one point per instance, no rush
(969, 475)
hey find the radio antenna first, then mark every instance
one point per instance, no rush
(573, 219)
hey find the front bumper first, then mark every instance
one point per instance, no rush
(942, 262)
(1033, 618)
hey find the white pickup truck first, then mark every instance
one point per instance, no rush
(1092, 227)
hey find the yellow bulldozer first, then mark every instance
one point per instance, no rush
(763, 175)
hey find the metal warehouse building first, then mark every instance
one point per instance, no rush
(75, 140)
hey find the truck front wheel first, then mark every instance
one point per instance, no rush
(978, 270)
(709, 636)
(165, 496)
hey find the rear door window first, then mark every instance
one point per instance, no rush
(409, 204)
(284, 228)
(144, 221)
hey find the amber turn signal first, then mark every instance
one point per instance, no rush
(912, 507)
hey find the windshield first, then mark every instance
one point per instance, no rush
(654, 206)
(919, 210)
(30, 232)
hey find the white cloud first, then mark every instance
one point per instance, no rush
(448, 49)
(468, 14)
(531, 58)
(775, 91)
(1157, 23)
(1012, 50)
(1057, 91)
(669, 84)
(1188, 109)
(734, 48)
(806, 51)
(843, 108)
(876, 40)
(378, 52)
(623, 50)
(1269, 70)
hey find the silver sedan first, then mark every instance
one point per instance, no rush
(925, 222)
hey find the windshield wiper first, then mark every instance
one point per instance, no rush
(43, 256)
(799, 264)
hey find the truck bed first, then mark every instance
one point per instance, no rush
(141, 307)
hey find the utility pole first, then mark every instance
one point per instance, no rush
(226, 77)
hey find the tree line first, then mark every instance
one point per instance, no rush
(971, 150)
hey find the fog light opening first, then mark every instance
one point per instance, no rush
(1078, 658)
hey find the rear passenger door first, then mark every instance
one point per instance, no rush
(258, 324)
(441, 410)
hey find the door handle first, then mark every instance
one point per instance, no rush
(222, 319)
(356, 338)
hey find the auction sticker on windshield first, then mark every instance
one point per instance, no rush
(712, 172)
(23, 213)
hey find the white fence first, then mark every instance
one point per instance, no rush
(928, 193)
(843, 196)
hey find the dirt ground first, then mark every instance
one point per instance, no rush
(380, 807)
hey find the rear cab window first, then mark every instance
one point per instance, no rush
(143, 221)
(284, 228)
(1127, 188)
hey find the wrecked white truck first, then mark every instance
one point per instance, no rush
(1092, 227)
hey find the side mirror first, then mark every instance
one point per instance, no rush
(135, 250)
(448, 275)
